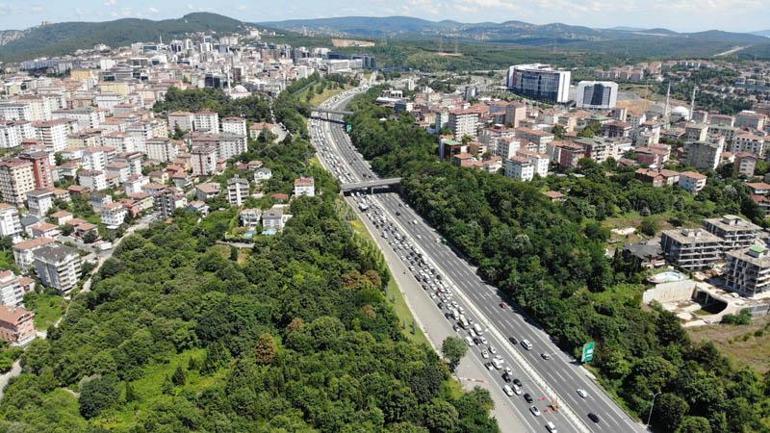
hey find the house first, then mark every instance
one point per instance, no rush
(11, 290)
(94, 180)
(657, 178)
(250, 217)
(745, 163)
(82, 227)
(16, 325)
(262, 174)
(274, 219)
(40, 201)
(759, 188)
(57, 266)
(304, 186)
(61, 217)
(555, 196)
(199, 207)
(237, 191)
(43, 229)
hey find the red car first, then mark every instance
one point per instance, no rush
(503, 305)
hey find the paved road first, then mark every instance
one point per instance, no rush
(555, 380)
(5, 378)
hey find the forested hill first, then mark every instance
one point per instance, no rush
(63, 38)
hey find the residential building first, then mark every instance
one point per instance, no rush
(541, 82)
(17, 178)
(206, 121)
(181, 120)
(540, 161)
(304, 186)
(17, 326)
(206, 191)
(262, 174)
(113, 215)
(234, 126)
(658, 178)
(274, 219)
(745, 163)
(57, 266)
(596, 95)
(697, 132)
(535, 140)
(53, 134)
(204, 160)
(736, 232)
(40, 201)
(237, 191)
(464, 123)
(168, 201)
(11, 135)
(94, 180)
(691, 249)
(515, 113)
(41, 168)
(199, 207)
(519, 168)
(161, 150)
(42, 229)
(11, 291)
(751, 120)
(10, 225)
(703, 155)
(250, 217)
(692, 181)
(23, 251)
(748, 270)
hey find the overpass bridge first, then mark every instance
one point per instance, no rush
(328, 115)
(370, 186)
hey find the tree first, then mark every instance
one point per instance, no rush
(453, 348)
(97, 395)
(426, 382)
(266, 349)
(668, 412)
(694, 424)
(90, 237)
(178, 378)
(131, 393)
(440, 417)
(649, 226)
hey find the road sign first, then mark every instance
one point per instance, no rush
(348, 127)
(588, 352)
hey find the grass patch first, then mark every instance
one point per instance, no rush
(620, 294)
(743, 345)
(148, 389)
(48, 308)
(318, 98)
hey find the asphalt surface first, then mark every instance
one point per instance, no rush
(553, 384)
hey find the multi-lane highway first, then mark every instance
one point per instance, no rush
(561, 391)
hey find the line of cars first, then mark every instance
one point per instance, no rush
(439, 290)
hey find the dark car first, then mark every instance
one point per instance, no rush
(517, 382)
(528, 398)
(507, 377)
(593, 417)
(513, 340)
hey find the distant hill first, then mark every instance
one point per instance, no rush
(63, 38)
(765, 33)
(621, 40)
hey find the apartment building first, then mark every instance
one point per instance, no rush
(274, 219)
(24, 250)
(250, 217)
(704, 155)
(304, 186)
(735, 232)
(204, 160)
(234, 126)
(161, 150)
(237, 191)
(168, 201)
(16, 325)
(539, 138)
(41, 168)
(113, 215)
(696, 132)
(17, 178)
(751, 120)
(748, 142)
(692, 181)
(40, 201)
(691, 249)
(206, 121)
(94, 180)
(10, 224)
(53, 134)
(181, 120)
(57, 266)
(519, 168)
(748, 270)
(10, 135)
(464, 123)
(13, 288)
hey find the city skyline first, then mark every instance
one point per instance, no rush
(678, 15)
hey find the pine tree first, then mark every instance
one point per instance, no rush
(178, 378)
(131, 393)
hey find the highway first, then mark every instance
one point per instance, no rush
(553, 384)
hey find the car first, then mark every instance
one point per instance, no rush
(513, 340)
(492, 350)
(469, 341)
(545, 356)
(528, 398)
(526, 344)
(535, 411)
(517, 382)
(483, 340)
(581, 392)
(498, 363)
(517, 389)
(507, 377)
(551, 427)
(489, 366)
(593, 417)
(508, 391)
(503, 305)
(485, 354)
(508, 370)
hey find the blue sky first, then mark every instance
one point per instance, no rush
(681, 15)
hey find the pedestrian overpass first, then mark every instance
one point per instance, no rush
(372, 186)
(328, 115)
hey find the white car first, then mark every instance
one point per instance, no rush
(508, 391)
(485, 354)
(551, 427)
(535, 411)
(581, 392)
(517, 389)
(492, 350)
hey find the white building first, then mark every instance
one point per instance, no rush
(113, 215)
(181, 120)
(234, 126)
(10, 225)
(40, 201)
(16, 180)
(206, 121)
(304, 186)
(161, 150)
(95, 180)
(519, 168)
(57, 266)
(237, 191)
(53, 134)
(464, 123)
(692, 181)
(541, 82)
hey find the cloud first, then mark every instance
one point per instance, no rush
(153, 10)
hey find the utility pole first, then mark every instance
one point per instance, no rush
(692, 102)
(649, 417)
(666, 112)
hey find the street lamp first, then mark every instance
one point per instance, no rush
(649, 417)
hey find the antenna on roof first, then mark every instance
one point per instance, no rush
(692, 102)
(666, 112)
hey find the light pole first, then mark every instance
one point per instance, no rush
(652, 405)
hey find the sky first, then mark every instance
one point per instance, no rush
(679, 15)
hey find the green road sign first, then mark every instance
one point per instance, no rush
(348, 127)
(588, 352)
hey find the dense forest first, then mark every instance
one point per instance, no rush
(255, 108)
(550, 259)
(181, 334)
